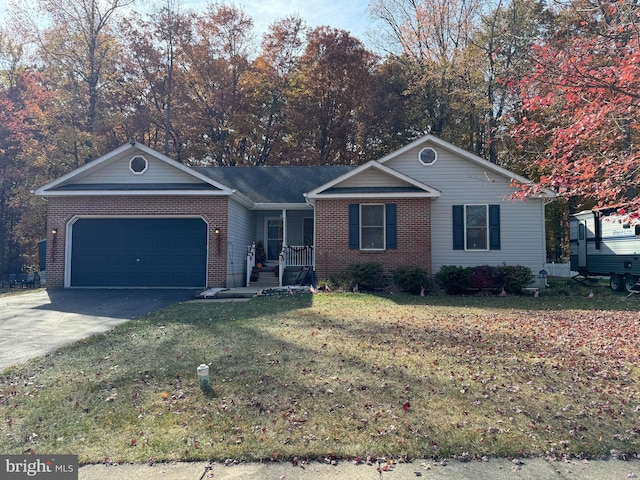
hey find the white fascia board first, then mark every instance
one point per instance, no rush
(80, 170)
(280, 206)
(183, 168)
(406, 148)
(467, 156)
(341, 178)
(242, 199)
(372, 164)
(135, 193)
(95, 164)
(376, 195)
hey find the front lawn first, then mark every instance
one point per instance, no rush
(344, 375)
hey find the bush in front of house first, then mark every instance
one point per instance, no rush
(411, 279)
(454, 279)
(367, 276)
(513, 278)
(483, 277)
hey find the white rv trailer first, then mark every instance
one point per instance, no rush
(604, 243)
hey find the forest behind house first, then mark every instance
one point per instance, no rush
(549, 90)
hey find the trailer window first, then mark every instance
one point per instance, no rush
(580, 231)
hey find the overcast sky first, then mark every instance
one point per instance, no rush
(350, 15)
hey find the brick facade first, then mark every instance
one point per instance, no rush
(332, 236)
(212, 209)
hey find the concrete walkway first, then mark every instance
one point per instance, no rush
(493, 469)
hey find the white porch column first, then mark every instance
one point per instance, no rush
(284, 228)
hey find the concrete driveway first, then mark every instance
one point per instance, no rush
(36, 323)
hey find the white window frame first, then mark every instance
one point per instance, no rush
(435, 156)
(486, 228)
(384, 226)
(146, 165)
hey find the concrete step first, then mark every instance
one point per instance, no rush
(267, 278)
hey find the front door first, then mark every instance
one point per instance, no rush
(273, 241)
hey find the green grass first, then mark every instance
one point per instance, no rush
(341, 374)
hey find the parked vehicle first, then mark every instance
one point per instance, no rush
(605, 243)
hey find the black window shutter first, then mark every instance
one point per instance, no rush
(354, 226)
(494, 227)
(458, 227)
(391, 226)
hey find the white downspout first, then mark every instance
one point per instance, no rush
(283, 256)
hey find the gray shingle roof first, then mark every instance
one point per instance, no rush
(274, 184)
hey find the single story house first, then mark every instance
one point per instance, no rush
(136, 218)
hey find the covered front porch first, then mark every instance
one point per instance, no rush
(283, 247)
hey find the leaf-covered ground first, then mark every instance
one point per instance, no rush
(339, 375)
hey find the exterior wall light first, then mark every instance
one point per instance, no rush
(216, 232)
(54, 232)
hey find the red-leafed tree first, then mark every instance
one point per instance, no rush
(579, 125)
(24, 124)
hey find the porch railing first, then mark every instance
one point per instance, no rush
(298, 256)
(295, 256)
(290, 256)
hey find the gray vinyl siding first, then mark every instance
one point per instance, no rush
(463, 182)
(372, 177)
(241, 228)
(118, 171)
(294, 224)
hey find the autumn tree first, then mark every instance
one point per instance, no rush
(269, 90)
(216, 60)
(24, 105)
(149, 75)
(332, 91)
(580, 106)
(433, 41)
(76, 45)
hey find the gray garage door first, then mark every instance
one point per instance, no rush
(125, 252)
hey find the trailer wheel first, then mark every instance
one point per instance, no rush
(616, 283)
(629, 282)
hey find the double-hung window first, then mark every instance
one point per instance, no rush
(476, 227)
(372, 226)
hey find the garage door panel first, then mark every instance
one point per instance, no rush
(139, 252)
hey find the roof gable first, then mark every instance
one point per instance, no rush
(437, 143)
(373, 180)
(114, 173)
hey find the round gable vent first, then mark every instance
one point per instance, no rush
(427, 156)
(138, 165)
